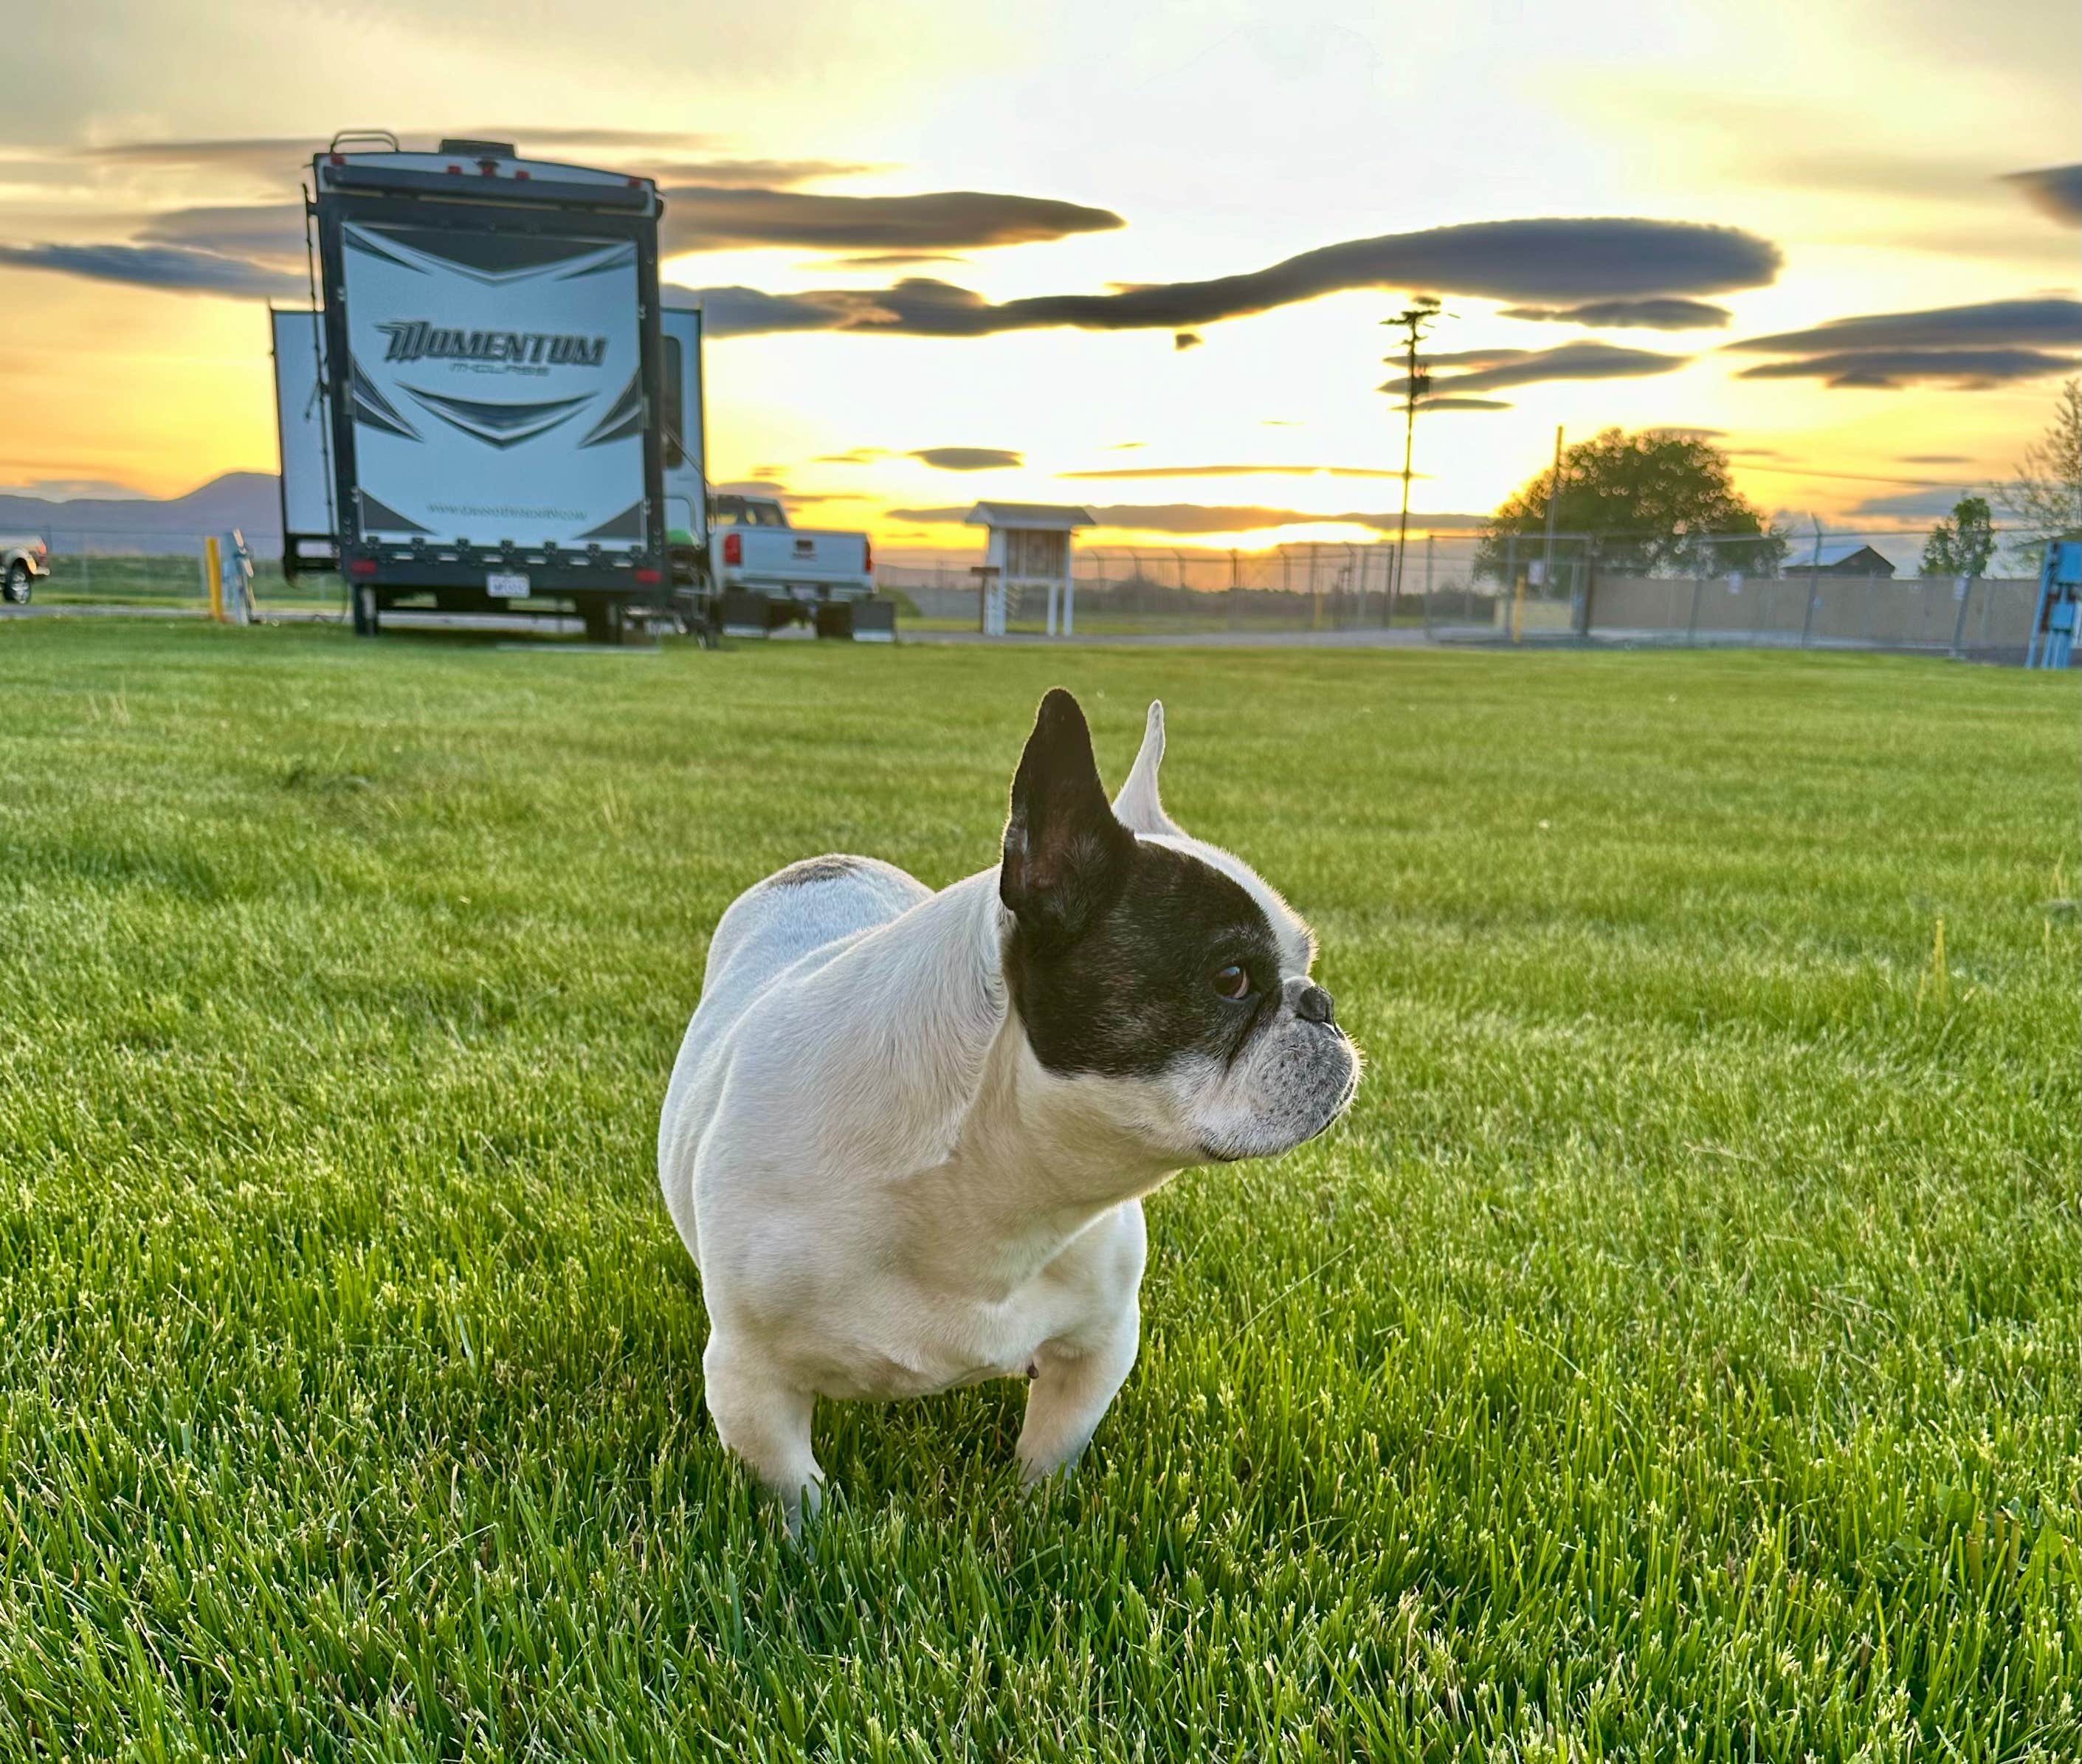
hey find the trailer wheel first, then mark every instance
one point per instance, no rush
(603, 621)
(368, 619)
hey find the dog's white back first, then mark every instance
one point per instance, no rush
(906, 1133)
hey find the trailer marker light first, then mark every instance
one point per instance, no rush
(362, 566)
(733, 548)
(648, 578)
(519, 173)
(867, 556)
(456, 169)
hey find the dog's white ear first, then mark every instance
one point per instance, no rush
(1138, 806)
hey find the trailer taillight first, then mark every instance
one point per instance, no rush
(733, 548)
(646, 578)
(361, 566)
(867, 556)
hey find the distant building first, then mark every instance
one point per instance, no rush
(1843, 557)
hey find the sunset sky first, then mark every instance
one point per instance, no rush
(1687, 194)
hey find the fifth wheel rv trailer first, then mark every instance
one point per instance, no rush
(303, 417)
(494, 414)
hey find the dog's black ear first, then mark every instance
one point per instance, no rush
(1064, 851)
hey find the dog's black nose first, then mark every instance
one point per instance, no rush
(1314, 1006)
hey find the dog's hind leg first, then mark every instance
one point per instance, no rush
(766, 1423)
(1070, 1395)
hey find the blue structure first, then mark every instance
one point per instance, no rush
(2052, 643)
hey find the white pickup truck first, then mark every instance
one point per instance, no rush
(24, 561)
(769, 575)
(758, 552)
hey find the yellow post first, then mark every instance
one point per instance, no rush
(212, 566)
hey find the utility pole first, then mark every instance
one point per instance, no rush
(1412, 321)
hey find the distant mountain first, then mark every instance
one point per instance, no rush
(248, 500)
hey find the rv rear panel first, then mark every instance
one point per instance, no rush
(493, 344)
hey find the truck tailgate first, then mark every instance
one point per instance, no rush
(792, 555)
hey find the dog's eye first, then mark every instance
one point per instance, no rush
(1232, 983)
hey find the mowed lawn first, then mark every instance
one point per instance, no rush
(1675, 1353)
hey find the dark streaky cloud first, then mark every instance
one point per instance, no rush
(1641, 315)
(1491, 370)
(1968, 369)
(2037, 323)
(175, 268)
(1198, 517)
(2054, 190)
(743, 174)
(1452, 403)
(265, 230)
(1915, 504)
(968, 458)
(710, 217)
(897, 259)
(1550, 262)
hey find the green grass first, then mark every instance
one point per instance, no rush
(1674, 1355)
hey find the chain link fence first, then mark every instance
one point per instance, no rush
(1855, 590)
(91, 567)
(1136, 590)
(1851, 590)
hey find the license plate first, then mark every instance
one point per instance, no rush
(507, 584)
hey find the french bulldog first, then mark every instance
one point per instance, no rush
(909, 1133)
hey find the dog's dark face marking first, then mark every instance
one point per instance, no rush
(824, 869)
(1133, 959)
(1146, 977)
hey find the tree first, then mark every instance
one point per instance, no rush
(1650, 499)
(2044, 500)
(1962, 543)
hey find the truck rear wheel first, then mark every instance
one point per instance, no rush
(17, 588)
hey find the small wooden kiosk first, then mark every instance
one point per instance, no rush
(1030, 546)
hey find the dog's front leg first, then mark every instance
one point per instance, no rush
(766, 1422)
(1070, 1393)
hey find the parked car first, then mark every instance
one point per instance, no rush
(24, 562)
